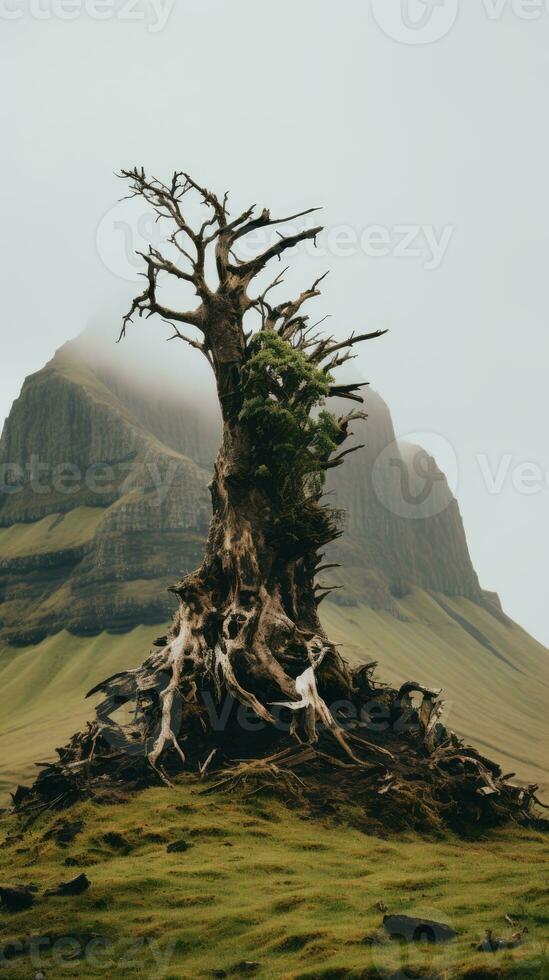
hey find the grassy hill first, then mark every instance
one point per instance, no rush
(495, 678)
(265, 890)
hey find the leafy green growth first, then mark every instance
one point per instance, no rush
(292, 444)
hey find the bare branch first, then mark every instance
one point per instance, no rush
(191, 341)
(327, 347)
(219, 207)
(289, 310)
(348, 391)
(162, 264)
(337, 460)
(264, 220)
(292, 324)
(147, 304)
(247, 270)
(164, 200)
(345, 420)
(261, 303)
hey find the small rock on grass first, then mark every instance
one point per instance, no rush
(17, 899)
(117, 841)
(411, 930)
(178, 847)
(76, 886)
(64, 831)
(245, 966)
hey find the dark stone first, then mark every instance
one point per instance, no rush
(77, 886)
(117, 841)
(21, 793)
(407, 928)
(178, 847)
(16, 899)
(11, 950)
(64, 832)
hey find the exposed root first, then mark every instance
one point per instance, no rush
(314, 709)
(203, 768)
(167, 735)
(223, 663)
(411, 772)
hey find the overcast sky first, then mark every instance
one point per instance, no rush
(421, 129)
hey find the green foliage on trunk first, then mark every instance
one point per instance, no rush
(292, 441)
(282, 388)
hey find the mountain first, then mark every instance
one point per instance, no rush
(106, 503)
(83, 518)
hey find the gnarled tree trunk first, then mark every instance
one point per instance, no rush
(247, 627)
(248, 617)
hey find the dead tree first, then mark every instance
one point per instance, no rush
(248, 616)
(247, 628)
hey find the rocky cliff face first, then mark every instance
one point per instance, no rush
(403, 526)
(105, 503)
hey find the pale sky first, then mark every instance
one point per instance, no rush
(431, 161)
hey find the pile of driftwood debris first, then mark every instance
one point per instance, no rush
(390, 756)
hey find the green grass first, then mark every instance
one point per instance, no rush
(44, 689)
(268, 884)
(53, 534)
